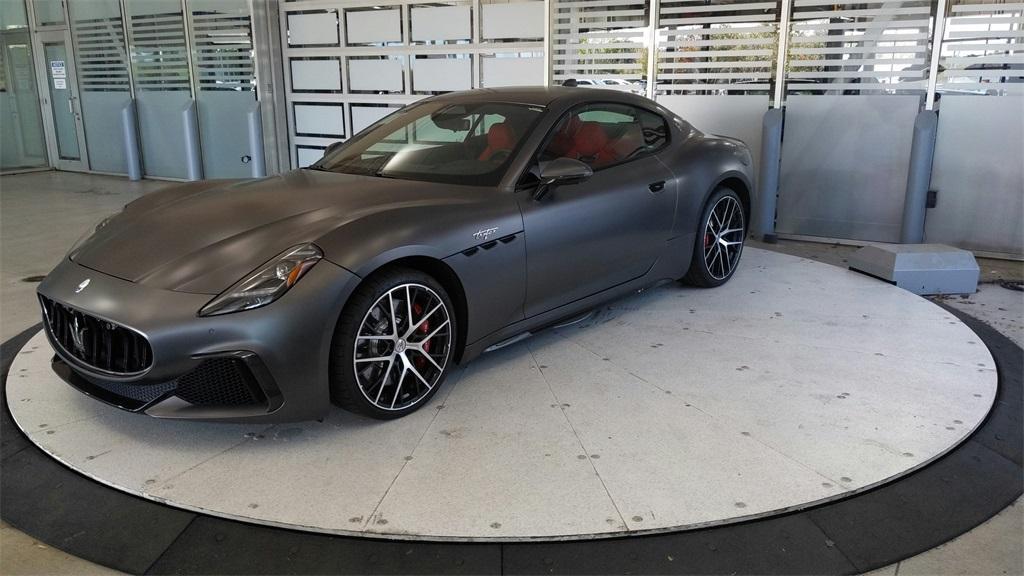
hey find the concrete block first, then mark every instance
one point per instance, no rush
(920, 268)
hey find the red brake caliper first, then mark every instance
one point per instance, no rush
(424, 329)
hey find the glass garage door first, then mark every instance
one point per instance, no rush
(349, 63)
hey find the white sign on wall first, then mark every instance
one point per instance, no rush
(60, 83)
(57, 69)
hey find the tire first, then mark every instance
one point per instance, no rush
(382, 365)
(715, 254)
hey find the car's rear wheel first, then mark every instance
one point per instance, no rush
(719, 242)
(393, 344)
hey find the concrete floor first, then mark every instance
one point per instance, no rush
(33, 238)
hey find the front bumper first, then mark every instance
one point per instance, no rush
(203, 367)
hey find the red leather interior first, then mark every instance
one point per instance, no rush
(499, 137)
(590, 144)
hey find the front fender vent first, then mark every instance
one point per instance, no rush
(489, 244)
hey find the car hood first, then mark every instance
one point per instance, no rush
(205, 236)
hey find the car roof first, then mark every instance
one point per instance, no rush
(543, 96)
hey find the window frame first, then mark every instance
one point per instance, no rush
(535, 158)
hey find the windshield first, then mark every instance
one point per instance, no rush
(438, 142)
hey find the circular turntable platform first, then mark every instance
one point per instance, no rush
(794, 384)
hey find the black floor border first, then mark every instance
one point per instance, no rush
(863, 532)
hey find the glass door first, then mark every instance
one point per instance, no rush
(62, 113)
(22, 144)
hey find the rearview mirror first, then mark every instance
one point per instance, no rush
(454, 118)
(561, 171)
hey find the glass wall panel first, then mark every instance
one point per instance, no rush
(13, 14)
(60, 102)
(156, 30)
(22, 144)
(48, 12)
(102, 78)
(225, 82)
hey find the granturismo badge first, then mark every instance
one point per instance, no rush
(83, 285)
(484, 233)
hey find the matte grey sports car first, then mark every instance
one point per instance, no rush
(453, 226)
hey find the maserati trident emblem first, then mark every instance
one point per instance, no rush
(78, 335)
(83, 285)
(484, 233)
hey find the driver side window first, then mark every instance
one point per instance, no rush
(604, 135)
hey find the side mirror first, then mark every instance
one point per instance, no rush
(561, 171)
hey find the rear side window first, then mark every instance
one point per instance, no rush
(603, 135)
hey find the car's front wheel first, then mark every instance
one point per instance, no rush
(393, 344)
(719, 240)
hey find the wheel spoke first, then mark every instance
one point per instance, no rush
(428, 357)
(391, 312)
(398, 384)
(416, 373)
(436, 330)
(408, 308)
(425, 317)
(730, 210)
(384, 379)
(375, 359)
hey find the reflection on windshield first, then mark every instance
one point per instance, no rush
(439, 142)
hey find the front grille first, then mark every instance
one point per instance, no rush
(95, 342)
(140, 394)
(220, 382)
(215, 382)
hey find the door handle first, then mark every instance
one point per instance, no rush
(656, 186)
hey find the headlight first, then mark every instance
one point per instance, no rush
(266, 284)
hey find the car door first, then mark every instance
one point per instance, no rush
(586, 237)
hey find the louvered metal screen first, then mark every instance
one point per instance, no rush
(599, 40)
(102, 57)
(983, 48)
(864, 47)
(222, 45)
(716, 47)
(160, 52)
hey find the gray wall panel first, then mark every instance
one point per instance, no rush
(102, 118)
(844, 165)
(979, 174)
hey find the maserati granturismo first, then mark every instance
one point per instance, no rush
(450, 227)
